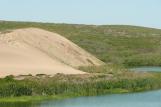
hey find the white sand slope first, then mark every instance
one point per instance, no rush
(35, 51)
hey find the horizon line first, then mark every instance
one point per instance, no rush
(50, 22)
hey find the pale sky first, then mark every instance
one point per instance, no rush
(127, 12)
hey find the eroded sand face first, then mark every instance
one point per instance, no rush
(35, 51)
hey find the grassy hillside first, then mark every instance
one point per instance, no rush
(127, 45)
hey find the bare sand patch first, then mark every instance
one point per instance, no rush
(36, 51)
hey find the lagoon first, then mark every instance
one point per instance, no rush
(142, 99)
(146, 69)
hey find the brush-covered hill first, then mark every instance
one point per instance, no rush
(36, 51)
(47, 48)
(119, 44)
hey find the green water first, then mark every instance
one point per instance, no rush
(144, 99)
(147, 69)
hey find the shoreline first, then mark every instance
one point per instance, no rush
(37, 99)
(61, 86)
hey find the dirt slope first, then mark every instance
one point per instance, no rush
(36, 51)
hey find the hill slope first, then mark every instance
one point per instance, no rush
(118, 44)
(36, 51)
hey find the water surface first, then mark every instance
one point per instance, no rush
(146, 69)
(144, 99)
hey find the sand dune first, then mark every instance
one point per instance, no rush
(36, 51)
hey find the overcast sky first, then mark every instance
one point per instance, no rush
(127, 12)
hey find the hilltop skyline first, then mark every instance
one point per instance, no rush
(117, 12)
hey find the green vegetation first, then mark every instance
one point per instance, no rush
(123, 45)
(64, 86)
(118, 46)
(25, 99)
(32, 99)
(105, 69)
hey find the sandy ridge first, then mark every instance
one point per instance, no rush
(36, 51)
